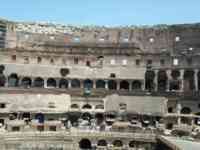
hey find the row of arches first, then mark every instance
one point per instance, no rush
(86, 106)
(13, 81)
(86, 143)
(174, 79)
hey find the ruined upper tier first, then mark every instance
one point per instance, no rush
(181, 39)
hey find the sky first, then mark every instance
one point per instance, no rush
(102, 12)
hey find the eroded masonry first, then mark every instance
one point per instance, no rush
(66, 87)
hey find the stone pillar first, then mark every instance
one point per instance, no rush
(196, 79)
(130, 85)
(143, 85)
(45, 83)
(69, 84)
(182, 80)
(118, 84)
(106, 84)
(156, 80)
(6, 83)
(178, 111)
(94, 84)
(169, 78)
(81, 82)
(192, 122)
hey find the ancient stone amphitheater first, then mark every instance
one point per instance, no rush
(66, 87)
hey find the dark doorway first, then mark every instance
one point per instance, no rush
(85, 144)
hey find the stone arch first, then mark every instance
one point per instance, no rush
(100, 84)
(102, 143)
(74, 106)
(149, 80)
(189, 80)
(162, 80)
(132, 144)
(26, 82)
(88, 84)
(85, 144)
(112, 85)
(86, 116)
(117, 143)
(39, 82)
(175, 74)
(13, 80)
(75, 83)
(124, 85)
(2, 76)
(87, 106)
(99, 118)
(40, 117)
(51, 82)
(175, 83)
(186, 110)
(136, 85)
(63, 83)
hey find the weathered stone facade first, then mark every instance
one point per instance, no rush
(68, 79)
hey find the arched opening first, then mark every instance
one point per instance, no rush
(63, 84)
(73, 117)
(85, 144)
(75, 106)
(88, 84)
(75, 83)
(102, 143)
(100, 84)
(170, 110)
(2, 76)
(189, 80)
(26, 82)
(124, 85)
(136, 85)
(40, 117)
(39, 82)
(99, 118)
(132, 144)
(149, 80)
(117, 143)
(87, 106)
(86, 116)
(186, 110)
(13, 80)
(51, 83)
(175, 83)
(112, 85)
(162, 80)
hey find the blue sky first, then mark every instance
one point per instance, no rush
(103, 12)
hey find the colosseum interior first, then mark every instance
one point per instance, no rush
(98, 88)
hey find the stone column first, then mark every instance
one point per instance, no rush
(196, 79)
(69, 84)
(169, 78)
(118, 84)
(156, 80)
(182, 80)
(45, 83)
(6, 83)
(81, 82)
(178, 110)
(94, 84)
(106, 84)
(130, 85)
(143, 85)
